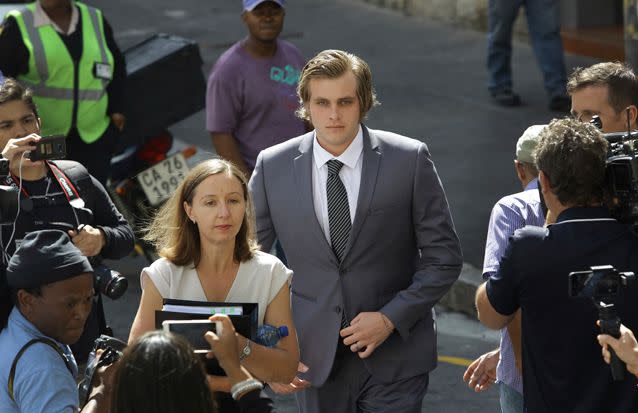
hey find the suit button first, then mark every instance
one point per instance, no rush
(337, 309)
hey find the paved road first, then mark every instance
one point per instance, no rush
(459, 339)
(430, 79)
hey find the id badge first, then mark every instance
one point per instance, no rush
(102, 71)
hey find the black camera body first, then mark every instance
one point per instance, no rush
(4, 167)
(112, 349)
(8, 204)
(602, 284)
(107, 281)
(622, 177)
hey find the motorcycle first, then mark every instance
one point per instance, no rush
(162, 70)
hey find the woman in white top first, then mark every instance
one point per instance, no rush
(205, 236)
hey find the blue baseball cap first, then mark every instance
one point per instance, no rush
(249, 5)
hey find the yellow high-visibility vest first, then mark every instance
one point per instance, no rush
(51, 74)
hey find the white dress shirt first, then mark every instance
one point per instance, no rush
(41, 18)
(350, 175)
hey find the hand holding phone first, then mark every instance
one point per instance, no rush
(193, 331)
(49, 147)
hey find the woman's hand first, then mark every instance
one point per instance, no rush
(224, 347)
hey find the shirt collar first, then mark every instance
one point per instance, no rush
(23, 324)
(583, 213)
(40, 18)
(533, 184)
(349, 157)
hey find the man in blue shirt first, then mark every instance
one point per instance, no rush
(510, 213)
(52, 286)
(562, 367)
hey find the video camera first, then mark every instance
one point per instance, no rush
(621, 175)
(602, 284)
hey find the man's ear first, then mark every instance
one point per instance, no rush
(633, 116)
(543, 181)
(25, 301)
(520, 170)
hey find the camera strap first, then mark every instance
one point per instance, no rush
(65, 183)
(43, 340)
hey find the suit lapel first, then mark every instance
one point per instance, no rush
(302, 166)
(369, 171)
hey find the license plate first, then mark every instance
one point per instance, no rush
(161, 180)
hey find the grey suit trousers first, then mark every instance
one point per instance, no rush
(351, 389)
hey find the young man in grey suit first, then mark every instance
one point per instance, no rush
(364, 222)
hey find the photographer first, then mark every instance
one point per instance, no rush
(160, 373)
(52, 286)
(608, 90)
(562, 368)
(54, 194)
(626, 347)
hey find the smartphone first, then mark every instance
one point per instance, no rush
(49, 147)
(193, 331)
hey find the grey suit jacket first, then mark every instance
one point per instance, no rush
(402, 257)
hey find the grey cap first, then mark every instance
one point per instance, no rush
(527, 143)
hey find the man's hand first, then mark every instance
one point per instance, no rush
(481, 374)
(296, 385)
(89, 240)
(119, 120)
(626, 348)
(366, 332)
(14, 149)
(99, 399)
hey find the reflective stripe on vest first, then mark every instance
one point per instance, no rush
(52, 81)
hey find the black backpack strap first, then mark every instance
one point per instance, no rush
(43, 340)
(75, 171)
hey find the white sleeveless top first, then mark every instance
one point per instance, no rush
(258, 280)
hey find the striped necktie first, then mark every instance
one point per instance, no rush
(338, 209)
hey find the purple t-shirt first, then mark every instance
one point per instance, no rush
(255, 99)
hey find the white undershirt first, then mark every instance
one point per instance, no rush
(350, 175)
(41, 18)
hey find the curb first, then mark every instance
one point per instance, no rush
(460, 298)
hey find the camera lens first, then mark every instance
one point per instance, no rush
(116, 288)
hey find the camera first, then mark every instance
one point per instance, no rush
(112, 349)
(49, 147)
(8, 204)
(621, 175)
(602, 284)
(109, 282)
(4, 167)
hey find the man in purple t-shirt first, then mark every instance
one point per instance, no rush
(251, 94)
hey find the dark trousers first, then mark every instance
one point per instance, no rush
(350, 388)
(96, 156)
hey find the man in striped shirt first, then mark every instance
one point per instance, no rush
(509, 214)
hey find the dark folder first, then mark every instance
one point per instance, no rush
(245, 324)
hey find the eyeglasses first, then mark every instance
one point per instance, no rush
(268, 12)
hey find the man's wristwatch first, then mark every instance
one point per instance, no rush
(245, 352)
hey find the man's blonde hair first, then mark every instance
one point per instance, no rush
(332, 64)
